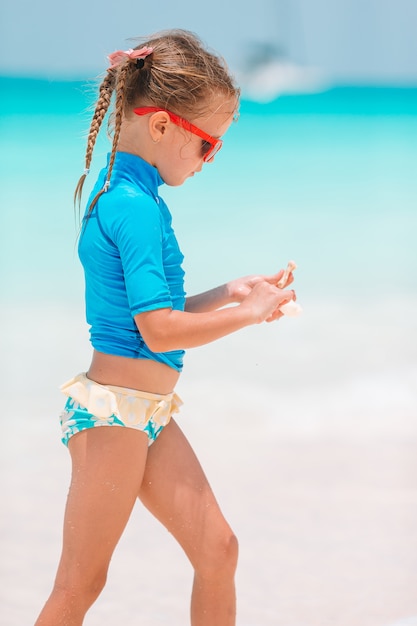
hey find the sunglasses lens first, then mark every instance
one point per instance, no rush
(206, 147)
(209, 150)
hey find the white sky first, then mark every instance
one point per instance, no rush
(350, 40)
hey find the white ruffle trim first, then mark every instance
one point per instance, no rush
(129, 405)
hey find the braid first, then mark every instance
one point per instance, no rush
(118, 116)
(102, 106)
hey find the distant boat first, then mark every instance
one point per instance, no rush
(276, 63)
(268, 74)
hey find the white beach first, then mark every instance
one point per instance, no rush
(320, 487)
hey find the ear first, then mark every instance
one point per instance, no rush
(158, 123)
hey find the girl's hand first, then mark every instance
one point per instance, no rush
(235, 291)
(264, 300)
(239, 288)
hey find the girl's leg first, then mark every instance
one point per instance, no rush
(107, 471)
(177, 493)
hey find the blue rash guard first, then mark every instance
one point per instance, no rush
(131, 259)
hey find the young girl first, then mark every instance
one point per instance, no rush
(173, 102)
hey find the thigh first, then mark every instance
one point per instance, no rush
(107, 471)
(176, 491)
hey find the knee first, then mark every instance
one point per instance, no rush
(230, 551)
(219, 555)
(80, 588)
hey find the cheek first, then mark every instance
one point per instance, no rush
(190, 150)
(179, 162)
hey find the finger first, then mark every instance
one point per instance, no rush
(275, 316)
(290, 279)
(288, 295)
(275, 278)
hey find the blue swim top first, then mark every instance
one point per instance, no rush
(131, 259)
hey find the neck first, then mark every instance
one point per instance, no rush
(132, 140)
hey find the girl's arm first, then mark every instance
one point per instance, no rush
(209, 300)
(233, 291)
(165, 329)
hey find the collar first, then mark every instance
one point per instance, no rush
(132, 167)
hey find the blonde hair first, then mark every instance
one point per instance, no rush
(180, 75)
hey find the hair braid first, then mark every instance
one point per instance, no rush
(118, 116)
(105, 92)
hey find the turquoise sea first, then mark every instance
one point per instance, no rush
(326, 179)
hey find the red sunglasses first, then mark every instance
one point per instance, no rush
(210, 145)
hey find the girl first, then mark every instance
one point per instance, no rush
(173, 102)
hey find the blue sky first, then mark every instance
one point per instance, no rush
(352, 41)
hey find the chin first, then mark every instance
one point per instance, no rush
(177, 182)
(174, 183)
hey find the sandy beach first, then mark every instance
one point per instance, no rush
(325, 507)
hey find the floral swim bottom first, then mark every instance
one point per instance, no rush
(90, 405)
